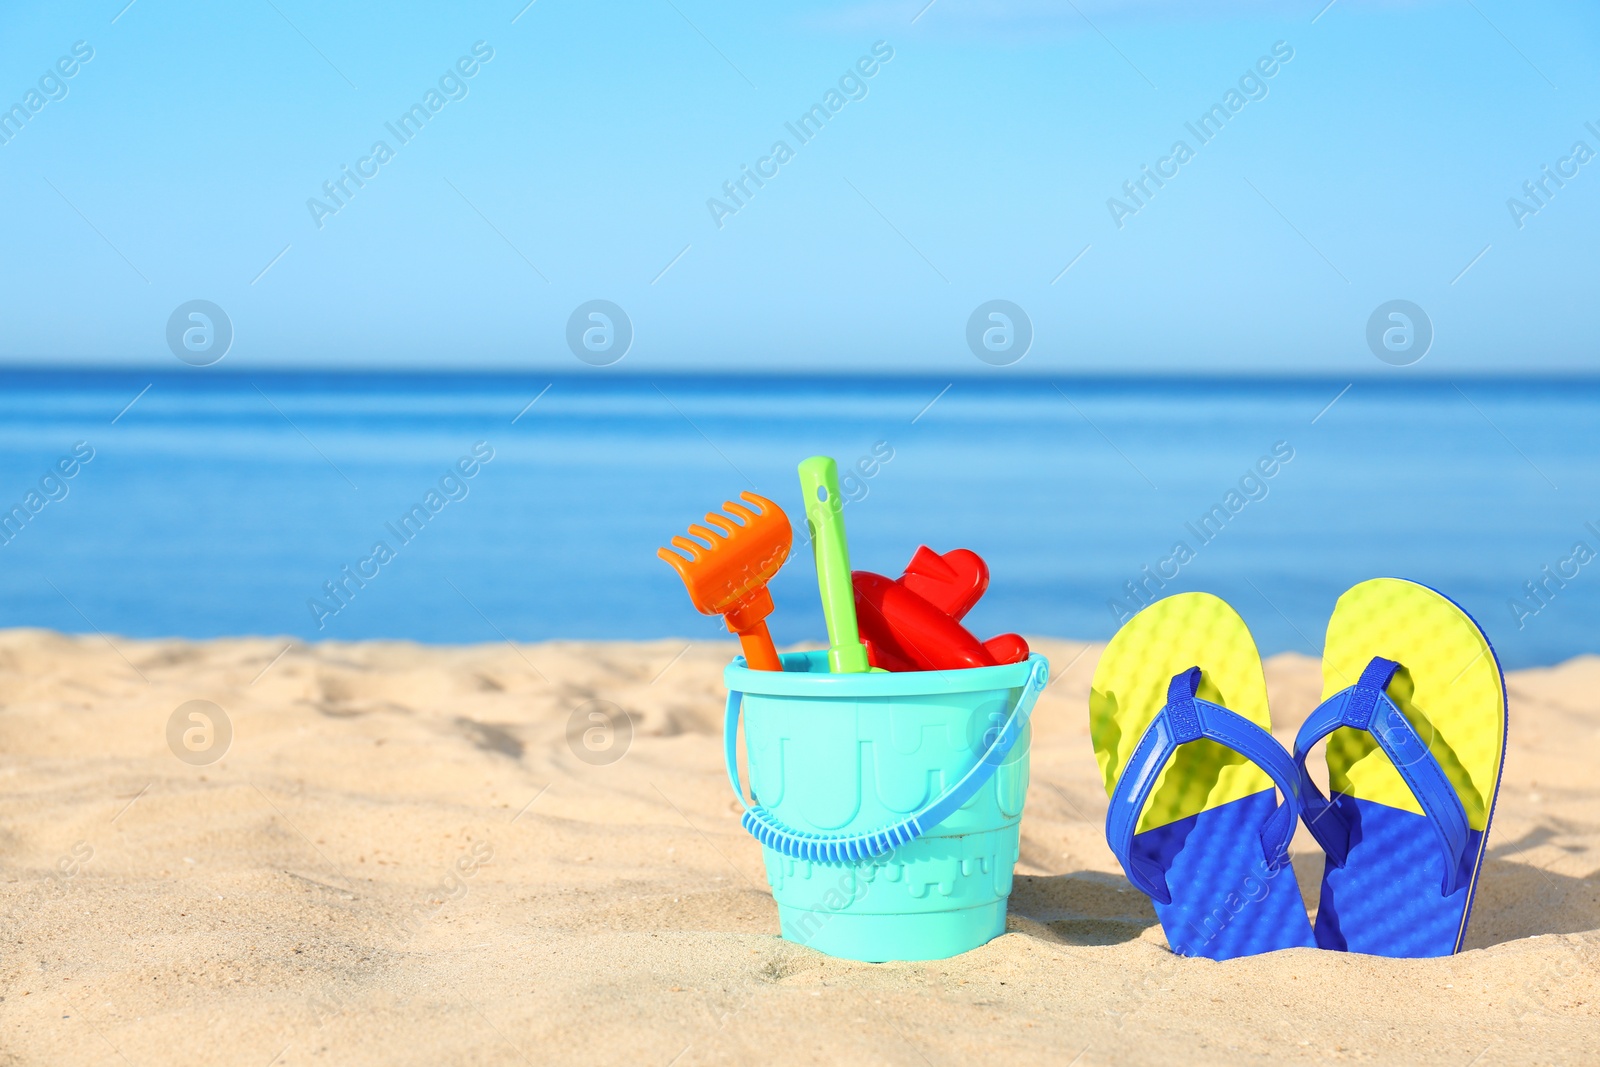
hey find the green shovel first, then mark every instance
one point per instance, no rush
(819, 484)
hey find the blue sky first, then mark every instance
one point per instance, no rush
(577, 163)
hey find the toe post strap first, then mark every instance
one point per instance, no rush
(1367, 706)
(1184, 718)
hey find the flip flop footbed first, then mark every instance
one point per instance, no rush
(1202, 824)
(1130, 687)
(1387, 898)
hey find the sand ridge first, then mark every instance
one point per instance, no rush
(419, 854)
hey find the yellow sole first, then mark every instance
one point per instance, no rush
(1130, 687)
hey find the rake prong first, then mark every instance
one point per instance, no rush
(740, 510)
(695, 549)
(760, 503)
(722, 522)
(729, 562)
(700, 531)
(685, 571)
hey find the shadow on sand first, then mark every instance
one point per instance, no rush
(1515, 899)
(1083, 907)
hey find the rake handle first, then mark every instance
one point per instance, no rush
(759, 652)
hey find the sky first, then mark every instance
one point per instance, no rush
(578, 152)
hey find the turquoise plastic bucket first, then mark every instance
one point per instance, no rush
(887, 805)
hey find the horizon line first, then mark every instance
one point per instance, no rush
(999, 375)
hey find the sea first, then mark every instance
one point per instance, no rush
(454, 508)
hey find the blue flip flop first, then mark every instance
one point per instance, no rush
(1416, 747)
(1178, 715)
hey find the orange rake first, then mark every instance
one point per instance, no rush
(730, 577)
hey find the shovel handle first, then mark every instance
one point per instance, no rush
(819, 485)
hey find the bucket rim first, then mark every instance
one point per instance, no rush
(805, 674)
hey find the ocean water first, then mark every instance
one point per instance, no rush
(218, 504)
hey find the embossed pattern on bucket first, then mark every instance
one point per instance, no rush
(840, 755)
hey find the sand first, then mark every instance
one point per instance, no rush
(401, 860)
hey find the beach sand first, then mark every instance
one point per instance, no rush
(401, 860)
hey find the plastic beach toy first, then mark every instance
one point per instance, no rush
(819, 486)
(729, 578)
(1414, 710)
(952, 581)
(887, 805)
(1178, 715)
(912, 623)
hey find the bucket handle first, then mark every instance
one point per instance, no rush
(848, 849)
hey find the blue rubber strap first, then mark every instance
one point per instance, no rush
(1185, 718)
(822, 848)
(1366, 706)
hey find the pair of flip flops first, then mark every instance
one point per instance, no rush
(1204, 801)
